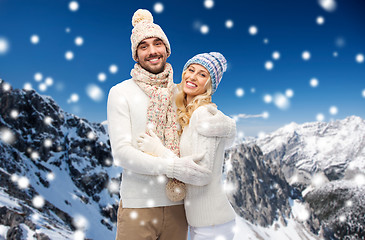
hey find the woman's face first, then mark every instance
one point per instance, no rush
(194, 80)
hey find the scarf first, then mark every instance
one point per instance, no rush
(161, 116)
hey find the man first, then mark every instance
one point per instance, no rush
(138, 105)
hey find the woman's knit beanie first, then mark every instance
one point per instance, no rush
(214, 62)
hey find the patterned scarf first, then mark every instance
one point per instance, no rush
(161, 116)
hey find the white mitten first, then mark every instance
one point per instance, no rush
(216, 125)
(152, 145)
(188, 171)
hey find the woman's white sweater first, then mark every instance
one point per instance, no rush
(206, 205)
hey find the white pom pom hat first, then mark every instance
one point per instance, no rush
(144, 27)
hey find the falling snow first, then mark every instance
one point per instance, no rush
(38, 201)
(320, 20)
(240, 92)
(360, 58)
(27, 86)
(95, 92)
(113, 69)
(34, 39)
(208, 4)
(328, 5)
(333, 110)
(6, 135)
(267, 98)
(14, 114)
(48, 120)
(276, 55)
(101, 77)
(4, 46)
(69, 55)
(73, 6)
(158, 7)
(23, 182)
(38, 77)
(204, 29)
(229, 24)
(313, 82)
(289, 93)
(281, 101)
(253, 30)
(320, 117)
(269, 65)
(306, 55)
(79, 41)
(363, 93)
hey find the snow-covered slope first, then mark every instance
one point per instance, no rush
(57, 177)
(329, 147)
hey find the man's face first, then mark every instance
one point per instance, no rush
(152, 55)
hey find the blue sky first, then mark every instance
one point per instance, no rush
(289, 28)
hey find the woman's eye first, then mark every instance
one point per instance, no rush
(203, 75)
(191, 70)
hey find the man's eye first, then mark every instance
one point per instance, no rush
(158, 43)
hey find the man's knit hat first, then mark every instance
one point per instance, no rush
(214, 62)
(144, 27)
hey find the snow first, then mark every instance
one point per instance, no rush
(95, 92)
(293, 231)
(34, 39)
(306, 55)
(158, 7)
(252, 30)
(240, 92)
(204, 29)
(269, 65)
(4, 46)
(359, 58)
(3, 231)
(8, 201)
(313, 82)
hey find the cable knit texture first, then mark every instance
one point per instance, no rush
(143, 184)
(206, 205)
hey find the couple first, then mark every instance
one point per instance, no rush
(161, 134)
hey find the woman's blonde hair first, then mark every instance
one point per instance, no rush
(184, 110)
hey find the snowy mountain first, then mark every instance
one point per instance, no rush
(57, 178)
(326, 163)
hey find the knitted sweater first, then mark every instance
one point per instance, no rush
(206, 205)
(143, 179)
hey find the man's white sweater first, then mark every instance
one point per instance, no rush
(207, 205)
(143, 179)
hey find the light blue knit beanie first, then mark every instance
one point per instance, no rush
(214, 62)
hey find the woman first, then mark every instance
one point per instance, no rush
(207, 208)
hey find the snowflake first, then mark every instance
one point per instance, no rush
(73, 98)
(328, 5)
(240, 92)
(306, 55)
(276, 55)
(78, 235)
(363, 93)
(204, 29)
(49, 81)
(69, 55)
(150, 202)
(320, 117)
(95, 92)
(91, 135)
(320, 20)
(269, 65)
(48, 120)
(313, 82)
(289, 93)
(80, 222)
(23, 182)
(51, 176)
(48, 143)
(38, 201)
(42, 87)
(27, 86)
(252, 30)
(267, 98)
(281, 101)
(14, 114)
(208, 4)
(79, 41)
(113, 69)
(133, 215)
(73, 6)
(34, 39)
(4, 46)
(333, 110)
(6, 135)
(158, 7)
(101, 77)
(229, 23)
(360, 58)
